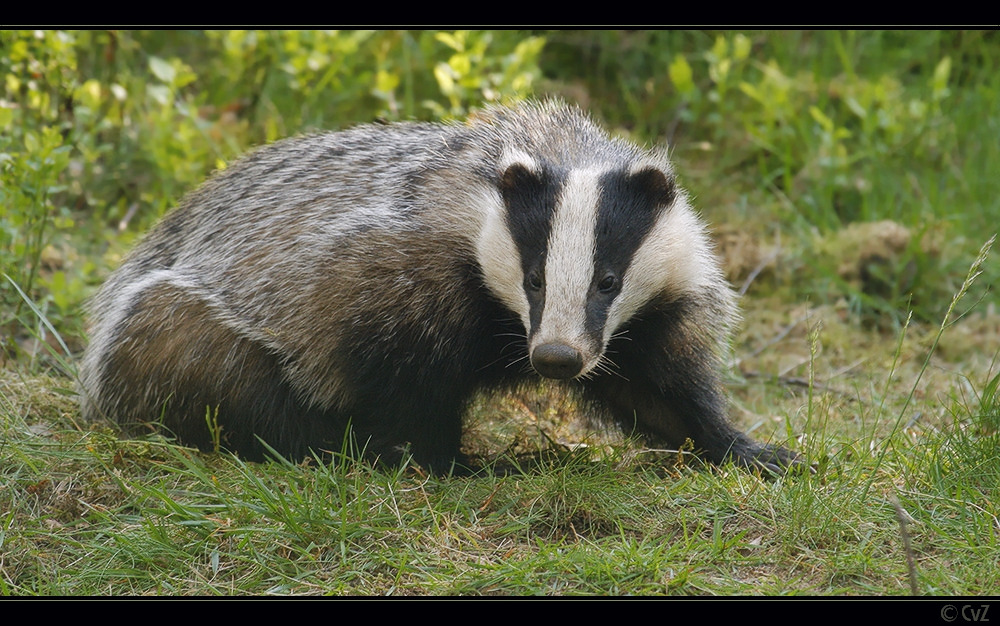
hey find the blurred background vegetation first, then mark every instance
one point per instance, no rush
(857, 169)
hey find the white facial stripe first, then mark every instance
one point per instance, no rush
(499, 258)
(569, 265)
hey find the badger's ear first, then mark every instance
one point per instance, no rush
(519, 174)
(652, 182)
(518, 177)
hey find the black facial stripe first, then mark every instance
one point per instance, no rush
(530, 199)
(629, 206)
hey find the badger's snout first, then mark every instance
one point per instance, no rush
(557, 360)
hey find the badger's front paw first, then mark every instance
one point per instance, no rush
(772, 459)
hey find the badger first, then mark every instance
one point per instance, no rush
(373, 280)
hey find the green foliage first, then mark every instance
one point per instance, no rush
(33, 171)
(326, 79)
(33, 160)
(471, 74)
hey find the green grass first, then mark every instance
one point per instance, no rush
(851, 179)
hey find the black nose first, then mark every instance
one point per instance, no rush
(556, 360)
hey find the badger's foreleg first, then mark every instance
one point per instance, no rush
(680, 409)
(664, 382)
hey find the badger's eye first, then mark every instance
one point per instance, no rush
(608, 284)
(534, 281)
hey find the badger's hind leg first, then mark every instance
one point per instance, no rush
(171, 362)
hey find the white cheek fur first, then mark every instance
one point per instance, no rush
(500, 260)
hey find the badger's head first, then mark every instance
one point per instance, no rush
(577, 251)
